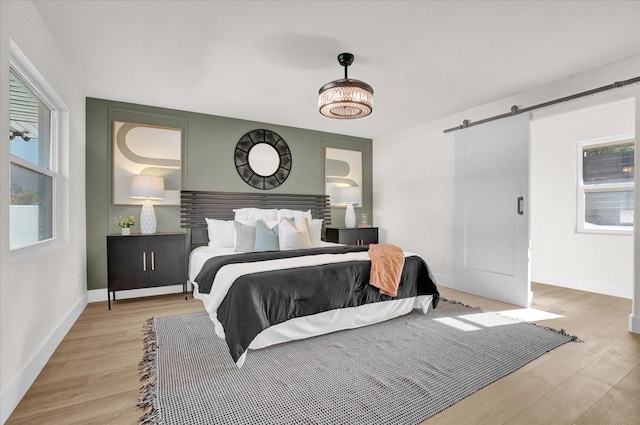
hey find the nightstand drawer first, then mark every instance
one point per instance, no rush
(352, 236)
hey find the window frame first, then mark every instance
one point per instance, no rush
(582, 189)
(29, 75)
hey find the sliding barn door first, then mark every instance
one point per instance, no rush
(492, 242)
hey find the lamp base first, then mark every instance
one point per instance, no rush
(147, 218)
(350, 217)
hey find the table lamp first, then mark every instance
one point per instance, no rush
(147, 187)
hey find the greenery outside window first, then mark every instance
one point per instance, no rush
(32, 148)
(606, 185)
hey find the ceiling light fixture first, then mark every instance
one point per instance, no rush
(345, 98)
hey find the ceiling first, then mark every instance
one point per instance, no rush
(266, 60)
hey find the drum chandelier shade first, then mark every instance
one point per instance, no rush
(346, 98)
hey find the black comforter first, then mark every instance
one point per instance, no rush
(258, 300)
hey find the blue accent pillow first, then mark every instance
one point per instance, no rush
(266, 238)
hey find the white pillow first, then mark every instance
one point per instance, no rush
(221, 233)
(315, 231)
(294, 214)
(294, 235)
(249, 216)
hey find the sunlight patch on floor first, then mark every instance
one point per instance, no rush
(487, 320)
(455, 323)
(529, 314)
(477, 321)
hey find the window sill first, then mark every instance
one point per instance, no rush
(607, 230)
(38, 249)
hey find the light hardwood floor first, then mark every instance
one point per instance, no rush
(92, 377)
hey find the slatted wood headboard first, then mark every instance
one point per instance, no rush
(195, 205)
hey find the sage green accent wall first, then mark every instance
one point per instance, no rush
(208, 145)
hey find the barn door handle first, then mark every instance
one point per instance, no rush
(520, 200)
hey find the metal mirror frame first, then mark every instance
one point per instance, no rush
(241, 157)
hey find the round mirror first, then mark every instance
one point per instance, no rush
(263, 159)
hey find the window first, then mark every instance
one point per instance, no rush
(605, 185)
(32, 171)
(38, 130)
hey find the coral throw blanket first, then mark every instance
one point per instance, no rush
(387, 262)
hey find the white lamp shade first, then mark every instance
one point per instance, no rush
(350, 195)
(147, 187)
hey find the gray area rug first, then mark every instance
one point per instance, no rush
(397, 372)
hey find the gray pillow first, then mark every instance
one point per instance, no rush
(245, 237)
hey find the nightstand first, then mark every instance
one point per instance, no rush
(352, 236)
(145, 261)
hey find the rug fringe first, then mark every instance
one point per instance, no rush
(574, 338)
(459, 303)
(147, 399)
(562, 332)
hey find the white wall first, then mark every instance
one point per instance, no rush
(561, 256)
(39, 297)
(634, 317)
(413, 170)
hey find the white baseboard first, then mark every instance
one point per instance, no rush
(596, 287)
(443, 280)
(17, 388)
(604, 288)
(97, 295)
(634, 324)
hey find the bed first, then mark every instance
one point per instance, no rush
(258, 299)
